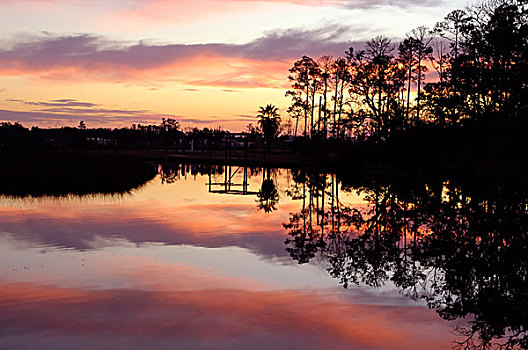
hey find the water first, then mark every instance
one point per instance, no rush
(188, 261)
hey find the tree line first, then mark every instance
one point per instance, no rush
(168, 134)
(471, 66)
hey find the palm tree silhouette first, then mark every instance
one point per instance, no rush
(269, 122)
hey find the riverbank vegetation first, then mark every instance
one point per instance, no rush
(72, 173)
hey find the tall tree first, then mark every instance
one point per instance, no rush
(378, 79)
(451, 28)
(339, 79)
(423, 50)
(302, 88)
(407, 57)
(326, 64)
(315, 75)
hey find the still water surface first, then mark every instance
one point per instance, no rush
(186, 262)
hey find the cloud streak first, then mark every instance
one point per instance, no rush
(56, 103)
(60, 112)
(261, 63)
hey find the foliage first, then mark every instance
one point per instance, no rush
(269, 122)
(480, 55)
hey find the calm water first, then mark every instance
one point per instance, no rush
(186, 261)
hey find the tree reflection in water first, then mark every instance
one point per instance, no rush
(268, 195)
(460, 248)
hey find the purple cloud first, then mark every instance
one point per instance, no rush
(56, 103)
(112, 60)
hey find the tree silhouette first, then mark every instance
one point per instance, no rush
(379, 81)
(303, 81)
(326, 64)
(269, 122)
(407, 56)
(422, 51)
(339, 79)
(481, 75)
(451, 28)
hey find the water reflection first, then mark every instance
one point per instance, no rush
(460, 247)
(268, 195)
(229, 179)
(209, 247)
(174, 208)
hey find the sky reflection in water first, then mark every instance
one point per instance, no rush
(173, 266)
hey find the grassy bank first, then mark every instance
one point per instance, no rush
(65, 173)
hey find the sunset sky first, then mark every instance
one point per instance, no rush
(209, 63)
